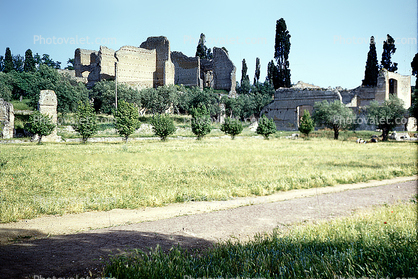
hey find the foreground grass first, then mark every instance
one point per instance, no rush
(72, 178)
(380, 243)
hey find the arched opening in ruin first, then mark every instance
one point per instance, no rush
(85, 74)
(393, 86)
(300, 110)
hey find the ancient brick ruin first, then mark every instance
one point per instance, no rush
(153, 64)
(289, 103)
(6, 120)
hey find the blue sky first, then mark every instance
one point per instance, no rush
(330, 39)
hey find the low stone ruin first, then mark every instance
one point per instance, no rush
(289, 103)
(48, 105)
(7, 120)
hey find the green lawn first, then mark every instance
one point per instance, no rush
(377, 243)
(70, 178)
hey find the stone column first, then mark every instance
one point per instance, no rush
(7, 120)
(48, 105)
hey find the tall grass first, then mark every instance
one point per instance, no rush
(72, 178)
(380, 243)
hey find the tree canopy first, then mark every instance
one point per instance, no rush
(334, 115)
(386, 116)
(202, 51)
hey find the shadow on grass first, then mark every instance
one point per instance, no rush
(82, 253)
(356, 164)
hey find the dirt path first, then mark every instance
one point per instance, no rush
(68, 253)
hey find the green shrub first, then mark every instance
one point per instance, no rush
(85, 121)
(266, 127)
(40, 124)
(201, 122)
(232, 127)
(127, 119)
(306, 125)
(163, 126)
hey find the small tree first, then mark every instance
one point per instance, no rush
(85, 121)
(386, 116)
(306, 124)
(201, 123)
(232, 127)
(127, 119)
(266, 127)
(40, 124)
(334, 115)
(163, 126)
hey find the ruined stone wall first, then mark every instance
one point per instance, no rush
(360, 96)
(107, 63)
(87, 65)
(381, 91)
(285, 107)
(187, 69)
(6, 120)
(48, 105)
(165, 68)
(403, 90)
(151, 65)
(224, 71)
(136, 66)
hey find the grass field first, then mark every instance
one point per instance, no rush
(71, 178)
(377, 243)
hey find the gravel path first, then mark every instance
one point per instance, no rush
(197, 226)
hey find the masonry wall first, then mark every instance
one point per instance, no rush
(151, 65)
(84, 59)
(187, 69)
(136, 66)
(403, 90)
(107, 63)
(284, 109)
(224, 71)
(47, 104)
(164, 67)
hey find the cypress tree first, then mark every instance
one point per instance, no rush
(414, 66)
(372, 66)
(244, 76)
(8, 61)
(271, 68)
(202, 51)
(389, 49)
(29, 62)
(281, 54)
(257, 70)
